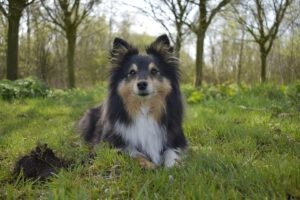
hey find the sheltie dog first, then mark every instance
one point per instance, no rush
(143, 112)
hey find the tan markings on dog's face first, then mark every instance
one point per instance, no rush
(155, 101)
(152, 66)
(133, 67)
(130, 100)
(153, 69)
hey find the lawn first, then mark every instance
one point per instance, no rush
(243, 145)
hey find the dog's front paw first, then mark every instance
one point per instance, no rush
(171, 163)
(171, 158)
(144, 163)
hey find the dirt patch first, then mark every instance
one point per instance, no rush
(40, 163)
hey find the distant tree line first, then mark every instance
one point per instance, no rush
(66, 42)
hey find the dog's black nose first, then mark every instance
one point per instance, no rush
(142, 85)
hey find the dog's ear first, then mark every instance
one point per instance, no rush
(162, 47)
(163, 39)
(121, 50)
(120, 43)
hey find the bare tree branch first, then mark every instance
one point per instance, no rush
(86, 11)
(259, 12)
(53, 18)
(30, 2)
(275, 27)
(2, 9)
(169, 14)
(216, 10)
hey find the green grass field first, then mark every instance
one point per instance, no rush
(243, 146)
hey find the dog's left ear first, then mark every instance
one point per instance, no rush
(161, 46)
(163, 39)
(121, 50)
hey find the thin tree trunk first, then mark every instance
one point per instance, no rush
(71, 38)
(263, 62)
(213, 61)
(199, 60)
(43, 61)
(178, 44)
(200, 43)
(28, 38)
(13, 43)
(239, 73)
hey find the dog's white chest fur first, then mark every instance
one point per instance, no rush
(145, 135)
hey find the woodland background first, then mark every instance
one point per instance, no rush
(66, 43)
(240, 68)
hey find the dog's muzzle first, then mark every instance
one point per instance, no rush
(143, 88)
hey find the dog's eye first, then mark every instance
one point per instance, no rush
(154, 71)
(132, 72)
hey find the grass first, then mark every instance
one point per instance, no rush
(246, 146)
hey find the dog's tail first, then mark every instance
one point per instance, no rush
(87, 126)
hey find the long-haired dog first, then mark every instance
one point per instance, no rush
(143, 112)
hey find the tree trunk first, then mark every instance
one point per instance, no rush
(71, 38)
(263, 62)
(13, 42)
(239, 73)
(43, 61)
(199, 60)
(178, 44)
(200, 32)
(28, 53)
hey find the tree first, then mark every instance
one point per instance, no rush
(3, 28)
(262, 20)
(240, 60)
(12, 10)
(68, 15)
(171, 13)
(199, 26)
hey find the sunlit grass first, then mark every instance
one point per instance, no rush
(238, 149)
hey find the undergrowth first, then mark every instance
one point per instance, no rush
(244, 143)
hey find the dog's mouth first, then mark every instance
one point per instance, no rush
(144, 94)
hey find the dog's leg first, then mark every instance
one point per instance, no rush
(145, 163)
(171, 157)
(141, 158)
(87, 125)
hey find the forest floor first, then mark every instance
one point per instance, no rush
(245, 145)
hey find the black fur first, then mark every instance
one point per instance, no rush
(90, 121)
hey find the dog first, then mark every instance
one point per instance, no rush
(143, 112)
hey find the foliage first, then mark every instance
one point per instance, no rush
(293, 93)
(194, 95)
(269, 91)
(289, 93)
(29, 87)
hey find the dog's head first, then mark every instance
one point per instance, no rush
(143, 76)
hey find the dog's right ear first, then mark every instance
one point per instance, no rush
(121, 50)
(120, 43)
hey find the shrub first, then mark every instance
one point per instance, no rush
(29, 87)
(187, 90)
(293, 94)
(194, 95)
(270, 91)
